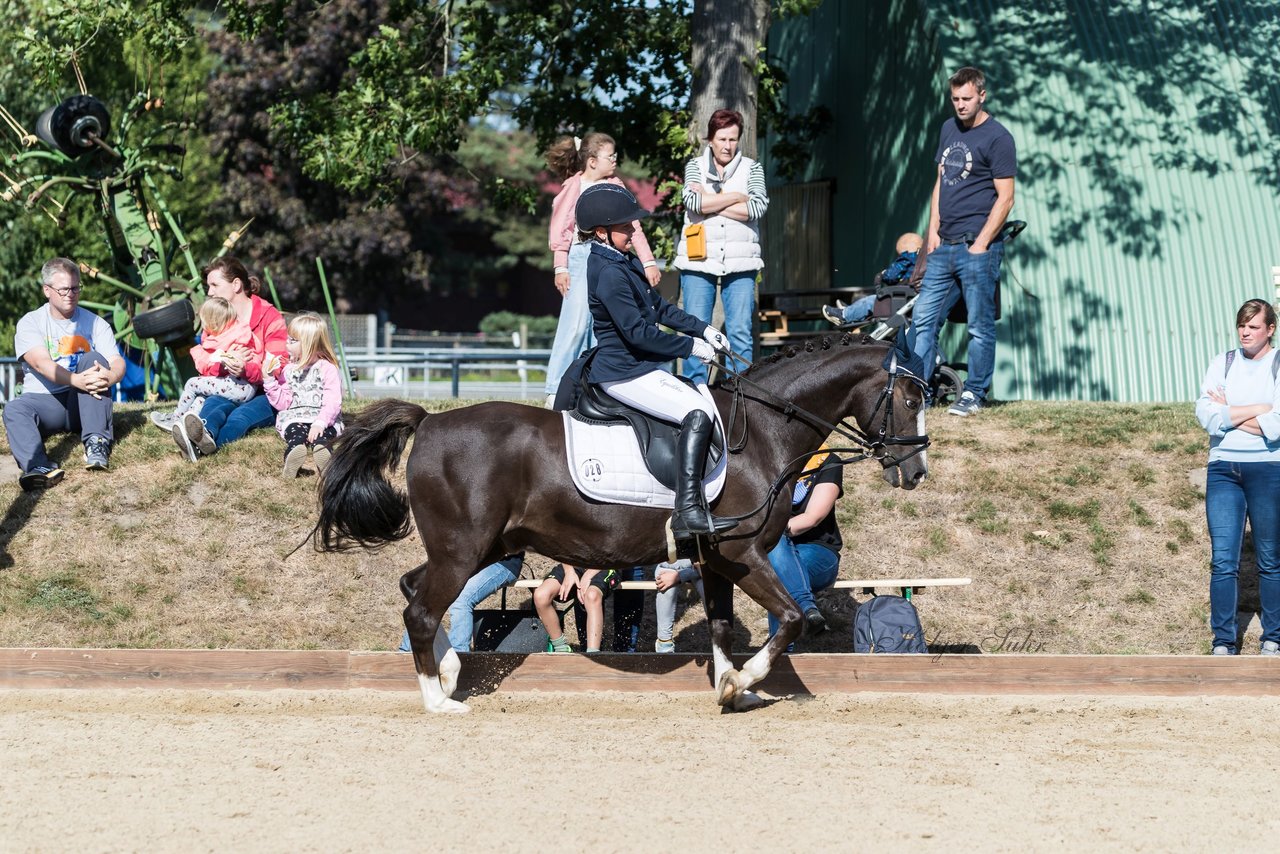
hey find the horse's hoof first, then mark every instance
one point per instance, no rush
(746, 701)
(730, 687)
(449, 707)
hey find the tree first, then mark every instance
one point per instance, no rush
(428, 73)
(433, 232)
(115, 54)
(728, 35)
(316, 109)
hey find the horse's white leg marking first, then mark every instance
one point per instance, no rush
(721, 662)
(434, 698)
(924, 455)
(448, 668)
(726, 679)
(756, 668)
(447, 663)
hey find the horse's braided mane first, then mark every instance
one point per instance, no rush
(790, 351)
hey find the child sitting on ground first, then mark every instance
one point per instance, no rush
(307, 393)
(899, 272)
(592, 588)
(668, 577)
(220, 330)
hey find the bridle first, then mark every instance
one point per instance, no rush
(875, 445)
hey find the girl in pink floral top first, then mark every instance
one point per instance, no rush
(306, 392)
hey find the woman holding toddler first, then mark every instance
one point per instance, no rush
(223, 420)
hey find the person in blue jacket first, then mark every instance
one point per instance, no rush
(632, 350)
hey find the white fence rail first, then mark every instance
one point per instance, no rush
(450, 372)
(427, 373)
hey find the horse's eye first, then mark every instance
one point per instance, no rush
(913, 404)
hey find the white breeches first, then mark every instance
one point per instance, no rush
(659, 394)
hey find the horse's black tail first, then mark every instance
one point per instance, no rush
(358, 506)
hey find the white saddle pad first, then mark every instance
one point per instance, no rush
(606, 465)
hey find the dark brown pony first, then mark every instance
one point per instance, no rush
(490, 480)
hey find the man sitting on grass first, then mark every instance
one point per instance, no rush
(70, 360)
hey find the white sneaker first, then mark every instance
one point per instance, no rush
(293, 460)
(968, 404)
(163, 420)
(1221, 650)
(193, 426)
(664, 646)
(1270, 648)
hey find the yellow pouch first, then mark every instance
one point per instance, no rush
(695, 242)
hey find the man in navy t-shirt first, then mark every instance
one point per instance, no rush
(972, 197)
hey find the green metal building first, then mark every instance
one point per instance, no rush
(1148, 173)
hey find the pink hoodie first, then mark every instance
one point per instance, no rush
(564, 228)
(202, 354)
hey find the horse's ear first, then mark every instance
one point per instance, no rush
(900, 359)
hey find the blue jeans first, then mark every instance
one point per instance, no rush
(479, 587)
(738, 293)
(954, 270)
(859, 309)
(32, 417)
(573, 329)
(1234, 491)
(225, 420)
(802, 569)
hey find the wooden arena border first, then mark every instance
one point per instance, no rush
(1168, 675)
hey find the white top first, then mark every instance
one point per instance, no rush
(1248, 382)
(64, 340)
(732, 246)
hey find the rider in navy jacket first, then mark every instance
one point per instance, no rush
(626, 312)
(632, 350)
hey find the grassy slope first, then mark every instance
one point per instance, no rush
(1076, 522)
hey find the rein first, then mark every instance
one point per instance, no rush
(870, 448)
(866, 447)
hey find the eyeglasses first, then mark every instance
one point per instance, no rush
(612, 158)
(65, 292)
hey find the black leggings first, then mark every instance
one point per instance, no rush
(295, 434)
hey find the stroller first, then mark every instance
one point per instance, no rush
(891, 314)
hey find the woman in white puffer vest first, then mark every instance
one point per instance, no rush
(725, 193)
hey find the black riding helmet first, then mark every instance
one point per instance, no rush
(606, 204)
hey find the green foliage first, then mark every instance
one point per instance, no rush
(504, 168)
(1141, 475)
(1102, 544)
(1141, 517)
(506, 322)
(379, 135)
(52, 34)
(422, 72)
(986, 517)
(119, 47)
(1083, 511)
(64, 591)
(1139, 597)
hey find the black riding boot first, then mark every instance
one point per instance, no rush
(692, 517)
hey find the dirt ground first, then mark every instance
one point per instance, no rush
(342, 771)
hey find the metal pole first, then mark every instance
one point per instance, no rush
(456, 365)
(275, 298)
(333, 320)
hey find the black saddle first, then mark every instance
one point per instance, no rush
(657, 437)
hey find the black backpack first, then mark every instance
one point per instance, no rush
(887, 624)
